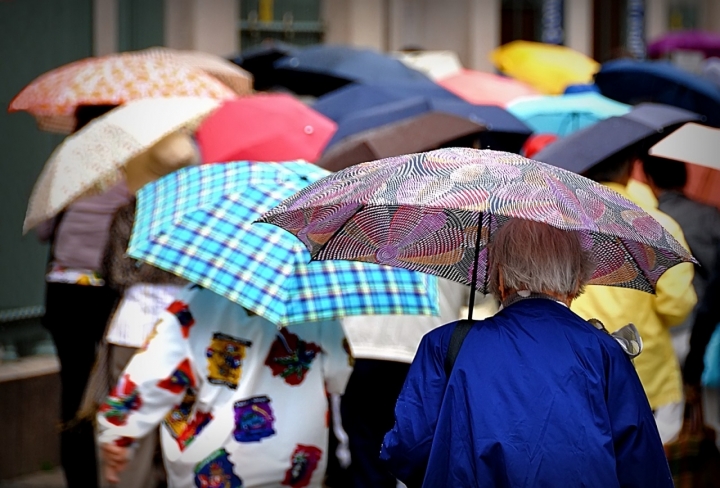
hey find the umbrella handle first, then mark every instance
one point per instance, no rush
(471, 305)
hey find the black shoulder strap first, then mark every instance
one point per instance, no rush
(456, 339)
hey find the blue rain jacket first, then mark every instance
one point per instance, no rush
(538, 397)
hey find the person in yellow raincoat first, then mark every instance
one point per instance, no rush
(653, 315)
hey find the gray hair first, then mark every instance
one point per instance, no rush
(539, 258)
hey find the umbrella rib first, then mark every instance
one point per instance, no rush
(640, 268)
(471, 305)
(313, 254)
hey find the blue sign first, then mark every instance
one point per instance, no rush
(552, 22)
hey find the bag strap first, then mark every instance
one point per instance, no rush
(456, 340)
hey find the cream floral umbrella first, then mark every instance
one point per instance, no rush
(94, 158)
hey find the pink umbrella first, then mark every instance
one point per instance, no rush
(268, 127)
(485, 88)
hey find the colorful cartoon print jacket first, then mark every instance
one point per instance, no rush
(241, 403)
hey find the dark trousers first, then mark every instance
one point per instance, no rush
(76, 317)
(368, 413)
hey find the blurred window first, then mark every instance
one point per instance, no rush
(521, 20)
(684, 14)
(609, 29)
(292, 21)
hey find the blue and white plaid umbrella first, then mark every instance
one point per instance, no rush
(198, 224)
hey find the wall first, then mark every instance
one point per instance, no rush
(35, 36)
(203, 25)
(468, 27)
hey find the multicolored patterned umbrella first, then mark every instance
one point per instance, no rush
(434, 212)
(198, 224)
(111, 80)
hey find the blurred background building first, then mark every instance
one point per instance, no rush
(38, 35)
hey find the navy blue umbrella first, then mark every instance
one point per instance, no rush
(633, 82)
(318, 70)
(259, 61)
(356, 97)
(635, 131)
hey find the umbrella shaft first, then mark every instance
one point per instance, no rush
(471, 305)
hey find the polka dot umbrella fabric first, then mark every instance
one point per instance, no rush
(423, 212)
(111, 80)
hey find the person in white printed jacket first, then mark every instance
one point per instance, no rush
(242, 403)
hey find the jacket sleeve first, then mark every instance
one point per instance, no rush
(336, 359)
(675, 294)
(639, 454)
(406, 448)
(154, 381)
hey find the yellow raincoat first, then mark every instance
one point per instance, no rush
(653, 315)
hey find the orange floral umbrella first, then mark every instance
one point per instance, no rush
(485, 88)
(111, 80)
(239, 80)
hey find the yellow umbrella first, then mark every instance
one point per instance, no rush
(546, 67)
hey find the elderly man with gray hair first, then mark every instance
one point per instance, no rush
(535, 395)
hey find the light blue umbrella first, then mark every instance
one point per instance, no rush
(198, 224)
(564, 114)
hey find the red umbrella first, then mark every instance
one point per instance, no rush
(271, 127)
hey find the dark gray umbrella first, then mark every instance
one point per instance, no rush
(661, 117)
(637, 130)
(420, 124)
(425, 131)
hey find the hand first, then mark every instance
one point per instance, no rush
(115, 459)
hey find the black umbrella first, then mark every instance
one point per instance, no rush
(259, 61)
(637, 130)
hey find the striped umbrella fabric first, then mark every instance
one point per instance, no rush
(198, 224)
(435, 212)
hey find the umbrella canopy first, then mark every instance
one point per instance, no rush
(317, 70)
(564, 114)
(494, 119)
(706, 42)
(435, 64)
(414, 126)
(93, 158)
(198, 224)
(699, 146)
(355, 97)
(645, 124)
(259, 61)
(711, 71)
(662, 118)
(420, 124)
(271, 127)
(633, 82)
(53, 97)
(239, 80)
(549, 68)
(435, 213)
(486, 88)
(691, 143)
